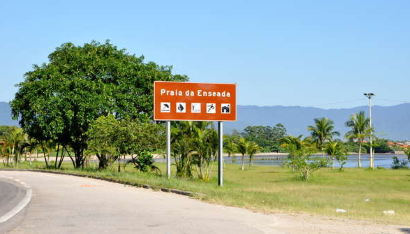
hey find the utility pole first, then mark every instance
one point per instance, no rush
(369, 96)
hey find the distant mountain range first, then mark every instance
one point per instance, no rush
(391, 122)
(5, 115)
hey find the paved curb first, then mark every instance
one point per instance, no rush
(21, 205)
(167, 190)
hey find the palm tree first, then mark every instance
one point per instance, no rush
(359, 130)
(185, 144)
(243, 149)
(334, 149)
(182, 139)
(231, 148)
(4, 152)
(14, 140)
(322, 132)
(253, 148)
(204, 149)
(291, 141)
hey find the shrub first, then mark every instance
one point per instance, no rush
(300, 160)
(305, 165)
(397, 164)
(342, 158)
(144, 162)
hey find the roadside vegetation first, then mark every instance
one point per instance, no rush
(89, 111)
(276, 189)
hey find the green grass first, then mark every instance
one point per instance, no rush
(275, 189)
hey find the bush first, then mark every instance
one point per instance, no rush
(144, 162)
(379, 146)
(397, 164)
(342, 158)
(306, 165)
(300, 159)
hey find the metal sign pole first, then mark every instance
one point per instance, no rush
(220, 154)
(168, 149)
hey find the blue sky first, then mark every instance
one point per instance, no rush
(304, 53)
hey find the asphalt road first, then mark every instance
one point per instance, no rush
(66, 204)
(11, 193)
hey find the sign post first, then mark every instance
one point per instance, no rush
(186, 101)
(168, 149)
(220, 154)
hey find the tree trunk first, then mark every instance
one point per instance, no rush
(125, 163)
(359, 162)
(102, 161)
(201, 170)
(12, 153)
(45, 158)
(333, 165)
(243, 165)
(69, 155)
(61, 158)
(58, 150)
(79, 157)
(119, 164)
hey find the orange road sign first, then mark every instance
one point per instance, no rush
(194, 101)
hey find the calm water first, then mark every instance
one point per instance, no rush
(380, 160)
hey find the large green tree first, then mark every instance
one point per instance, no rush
(102, 136)
(267, 137)
(58, 100)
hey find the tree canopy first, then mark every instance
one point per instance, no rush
(58, 100)
(109, 138)
(267, 137)
(322, 132)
